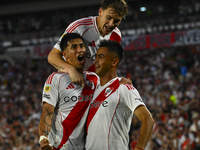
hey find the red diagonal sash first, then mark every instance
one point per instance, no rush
(100, 98)
(74, 117)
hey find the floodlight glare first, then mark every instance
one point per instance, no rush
(143, 9)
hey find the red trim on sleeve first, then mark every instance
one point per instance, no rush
(76, 24)
(115, 37)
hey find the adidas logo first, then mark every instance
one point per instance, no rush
(92, 44)
(130, 87)
(70, 86)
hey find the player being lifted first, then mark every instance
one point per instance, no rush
(93, 29)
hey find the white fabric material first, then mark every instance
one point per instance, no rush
(109, 127)
(87, 28)
(70, 103)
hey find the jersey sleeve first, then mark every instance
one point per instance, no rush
(116, 35)
(70, 29)
(50, 90)
(130, 97)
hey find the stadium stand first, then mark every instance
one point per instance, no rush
(162, 58)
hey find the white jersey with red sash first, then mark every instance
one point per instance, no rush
(87, 28)
(110, 116)
(71, 103)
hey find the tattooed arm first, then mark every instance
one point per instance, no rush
(45, 125)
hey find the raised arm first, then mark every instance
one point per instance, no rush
(143, 114)
(56, 60)
(45, 125)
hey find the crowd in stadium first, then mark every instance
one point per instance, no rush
(169, 82)
(167, 79)
(157, 13)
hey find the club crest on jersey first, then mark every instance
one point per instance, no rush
(47, 88)
(108, 91)
(90, 84)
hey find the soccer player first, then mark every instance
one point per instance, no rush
(113, 105)
(65, 104)
(93, 29)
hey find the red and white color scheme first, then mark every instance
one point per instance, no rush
(71, 103)
(161, 40)
(110, 115)
(87, 28)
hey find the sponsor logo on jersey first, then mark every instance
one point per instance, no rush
(46, 96)
(67, 99)
(74, 98)
(108, 91)
(90, 84)
(80, 98)
(70, 86)
(97, 104)
(138, 99)
(47, 88)
(88, 55)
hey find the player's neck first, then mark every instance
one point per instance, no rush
(97, 23)
(106, 78)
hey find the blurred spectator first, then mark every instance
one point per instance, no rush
(155, 72)
(158, 17)
(20, 102)
(176, 123)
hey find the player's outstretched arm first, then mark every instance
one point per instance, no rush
(56, 60)
(143, 114)
(45, 126)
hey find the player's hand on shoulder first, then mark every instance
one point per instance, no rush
(44, 145)
(125, 81)
(76, 77)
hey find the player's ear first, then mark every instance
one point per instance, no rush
(115, 62)
(100, 11)
(64, 53)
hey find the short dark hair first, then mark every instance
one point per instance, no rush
(120, 6)
(113, 46)
(68, 37)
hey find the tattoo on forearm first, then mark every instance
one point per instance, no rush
(58, 67)
(48, 121)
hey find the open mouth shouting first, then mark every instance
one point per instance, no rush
(81, 59)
